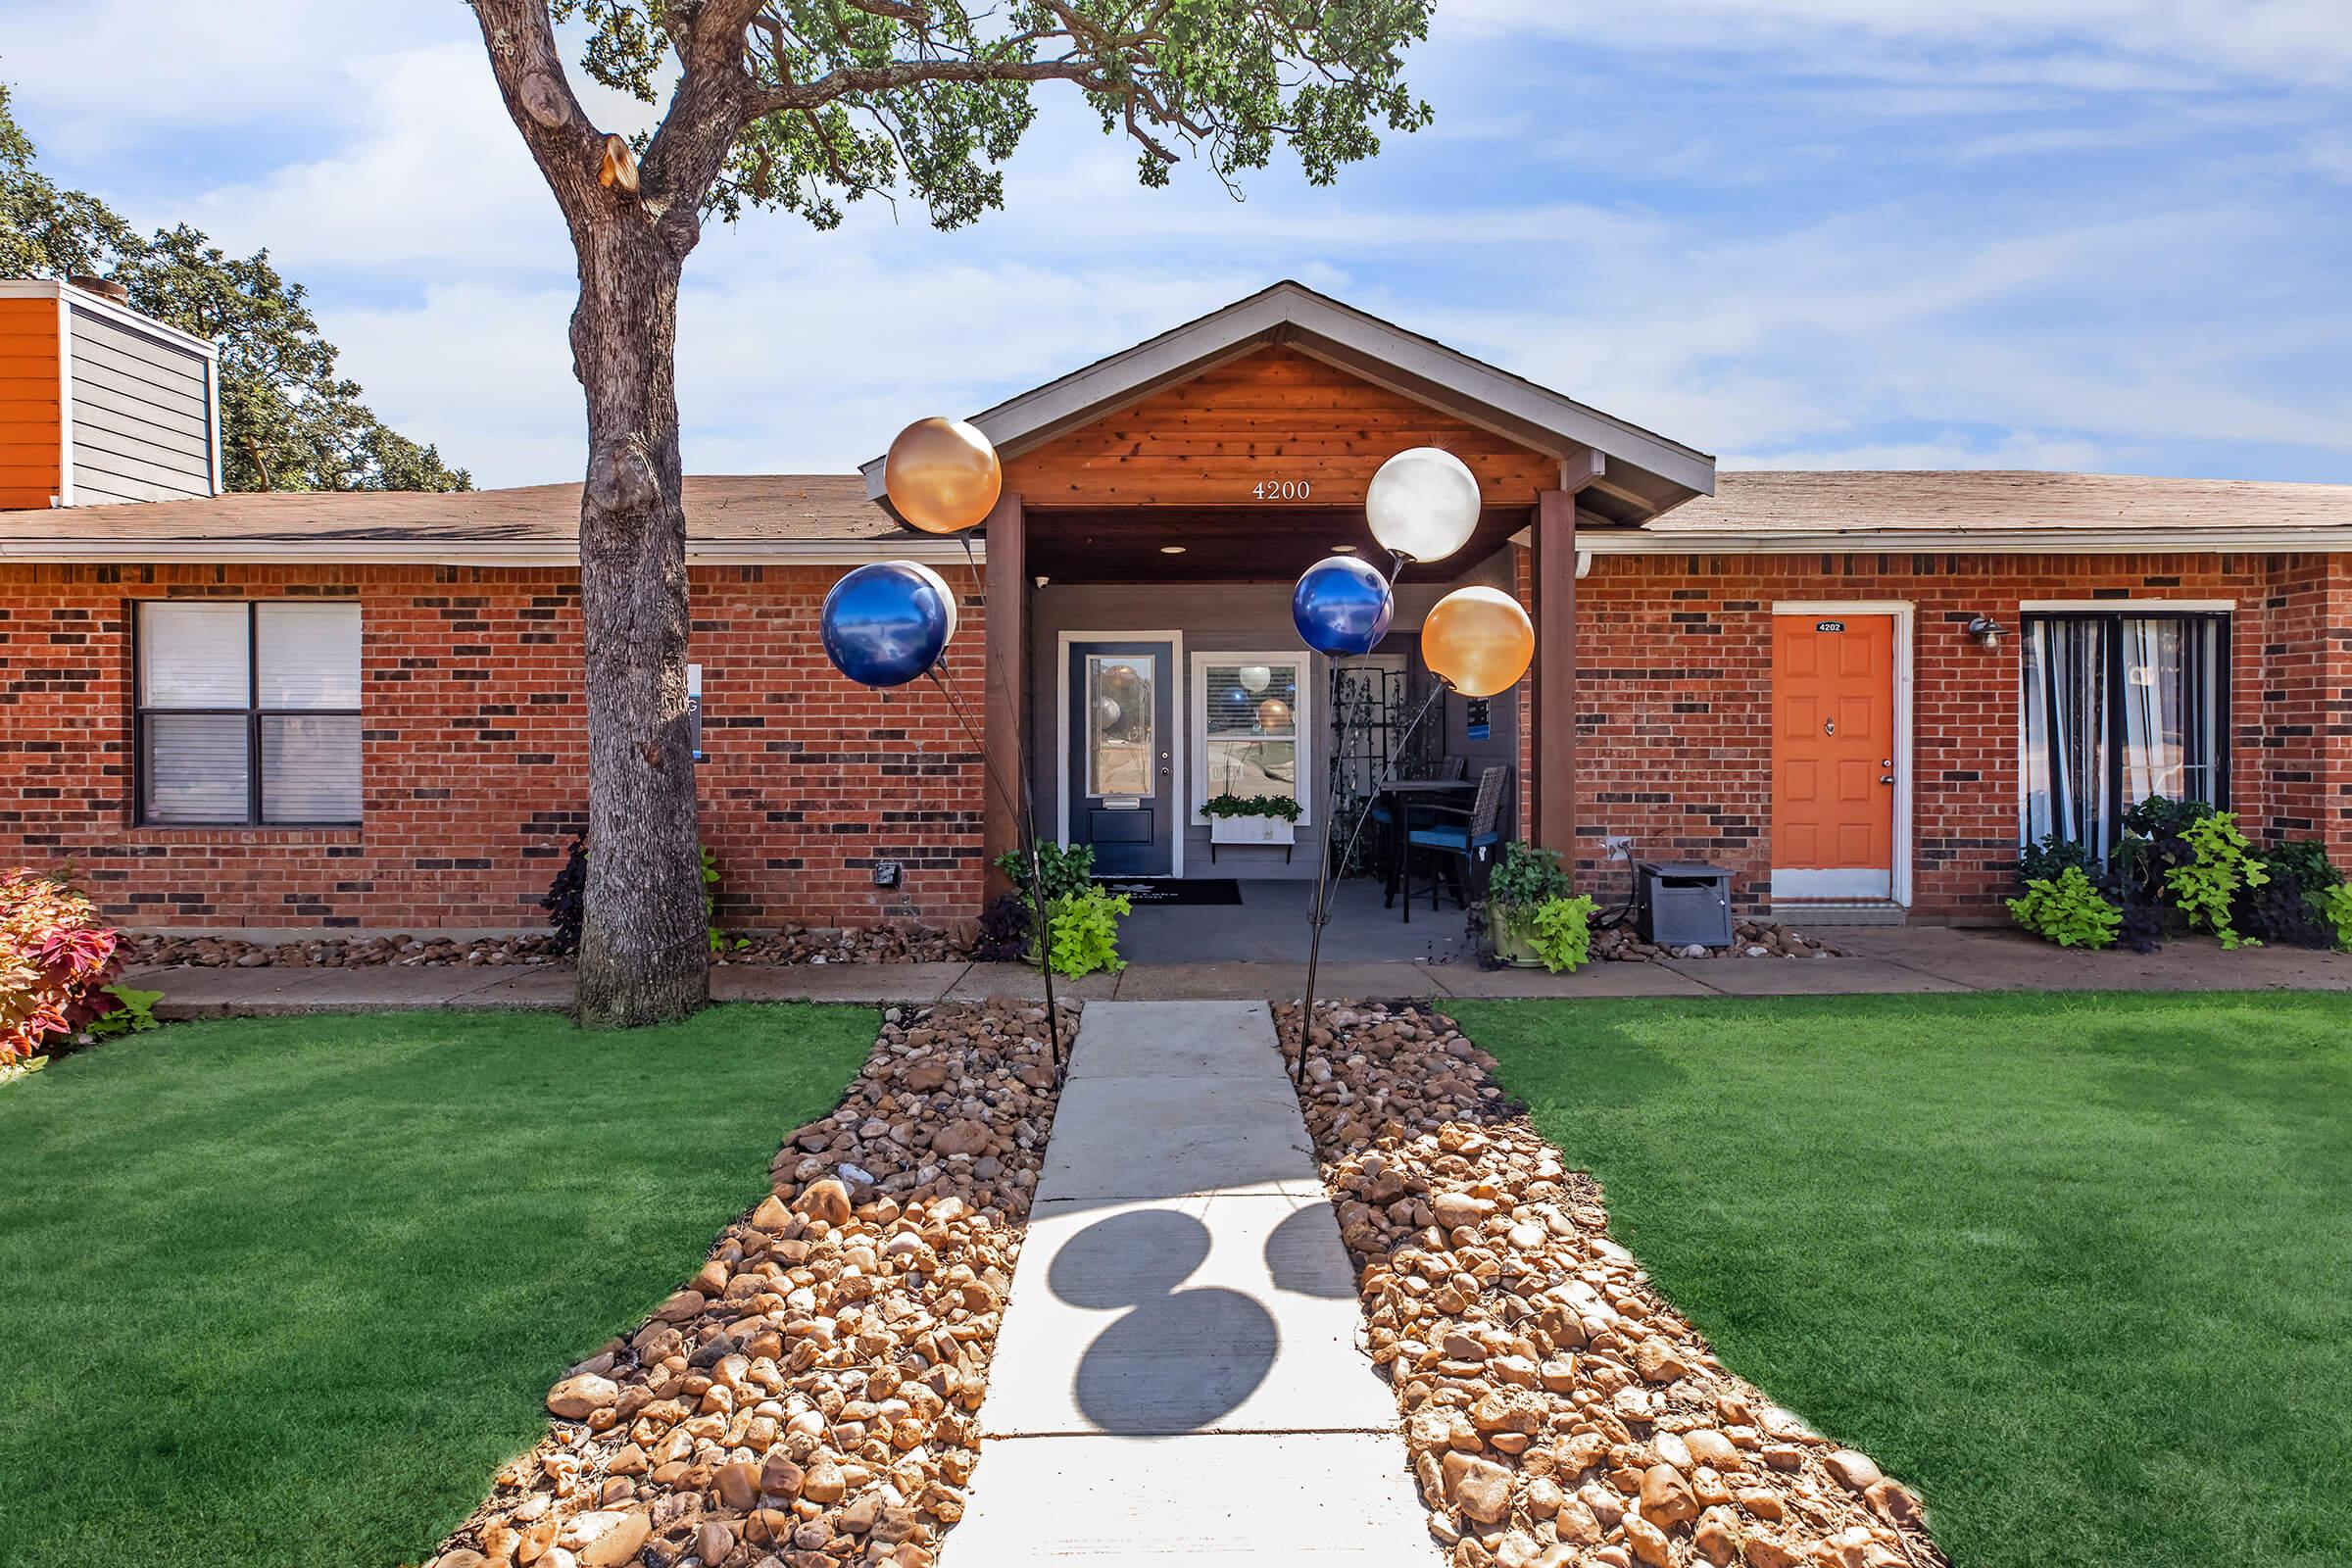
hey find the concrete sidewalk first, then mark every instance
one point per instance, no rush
(1883, 960)
(1177, 1378)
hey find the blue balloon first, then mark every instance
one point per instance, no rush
(887, 622)
(1341, 605)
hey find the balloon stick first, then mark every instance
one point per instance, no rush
(1319, 911)
(1025, 817)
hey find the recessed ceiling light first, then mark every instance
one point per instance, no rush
(1171, 550)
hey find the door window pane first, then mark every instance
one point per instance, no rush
(1252, 728)
(195, 768)
(1120, 692)
(194, 655)
(309, 655)
(310, 768)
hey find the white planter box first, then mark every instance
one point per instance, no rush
(1259, 830)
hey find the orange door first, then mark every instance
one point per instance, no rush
(1833, 755)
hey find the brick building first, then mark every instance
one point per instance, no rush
(1860, 691)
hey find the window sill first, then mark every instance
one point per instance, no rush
(247, 833)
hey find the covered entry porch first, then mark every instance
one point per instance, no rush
(1158, 508)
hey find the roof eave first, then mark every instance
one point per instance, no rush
(510, 555)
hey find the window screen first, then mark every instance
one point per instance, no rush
(249, 714)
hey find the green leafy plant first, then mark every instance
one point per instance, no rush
(2335, 906)
(1063, 869)
(1281, 805)
(2205, 887)
(1560, 930)
(720, 942)
(2048, 858)
(2068, 910)
(1085, 928)
(135, 1015)
(1525, 876)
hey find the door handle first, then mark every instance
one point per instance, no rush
(1886, 778)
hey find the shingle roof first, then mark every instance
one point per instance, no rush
(758, 515)
(2000, 500)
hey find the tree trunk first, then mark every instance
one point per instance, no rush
(644, 952)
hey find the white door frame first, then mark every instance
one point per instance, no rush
(1906, 617)
(1179, 780)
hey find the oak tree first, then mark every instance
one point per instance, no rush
(805, 105)
(289, 419)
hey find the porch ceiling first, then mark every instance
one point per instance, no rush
(1226, 544)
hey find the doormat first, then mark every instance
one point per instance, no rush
(1165, 889)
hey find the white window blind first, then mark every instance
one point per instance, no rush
(249, 714)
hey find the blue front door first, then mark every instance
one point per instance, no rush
(1122, 782)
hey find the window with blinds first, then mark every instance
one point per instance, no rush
(249, 715)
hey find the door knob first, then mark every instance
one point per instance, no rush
(1886, 778)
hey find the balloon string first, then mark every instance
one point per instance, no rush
(1024, 817)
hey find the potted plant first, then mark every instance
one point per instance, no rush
(1523, 880)
(1250, 819)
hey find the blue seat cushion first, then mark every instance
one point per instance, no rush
(1449, 838)
(1380, 813)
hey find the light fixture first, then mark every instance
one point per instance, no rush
(1986, 630)
(1423, 503)
(1345, 550)
(1171, 550)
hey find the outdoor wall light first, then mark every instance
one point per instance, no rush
(1986, 631)
(1171, 550)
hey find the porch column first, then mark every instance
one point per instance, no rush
(1555, 575)
(1008, 591)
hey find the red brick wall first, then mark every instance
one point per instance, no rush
(1674, 691)
(474, 762)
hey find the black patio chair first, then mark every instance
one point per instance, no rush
(1458, 840)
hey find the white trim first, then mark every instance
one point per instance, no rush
(474, 552)
(1303, 714)
(47, 288)
(1621, 540)
(1062, 731)
(211, 397)
(1905, 617)
(64, 400)
(2186, 606)
(1846, 884)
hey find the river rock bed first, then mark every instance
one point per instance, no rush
(1750, 939)
(1556, 1411)
(907, 942)
(808, 1399)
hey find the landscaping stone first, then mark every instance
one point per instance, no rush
(889, 943)
(809, 1398)
(1750, 939)
(1558, 1412)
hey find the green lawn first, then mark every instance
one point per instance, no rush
(2080, 1267)
(288, 1291)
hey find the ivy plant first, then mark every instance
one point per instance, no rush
(1560, 930)
(2204, 888)
(2068, 910)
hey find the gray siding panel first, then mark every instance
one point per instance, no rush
(142, 416)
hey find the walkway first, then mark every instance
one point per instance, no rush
(1885, 961)
(1177, 1378)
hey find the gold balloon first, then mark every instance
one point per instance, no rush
(1479, 639)
(1273, 714)
(942, 474)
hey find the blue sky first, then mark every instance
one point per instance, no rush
(2104, 235)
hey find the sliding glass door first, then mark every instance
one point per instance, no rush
(2117, 708)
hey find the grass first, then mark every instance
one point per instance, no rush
(2077, 1267)
(288, 1291)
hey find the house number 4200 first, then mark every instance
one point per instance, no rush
(1280, 490)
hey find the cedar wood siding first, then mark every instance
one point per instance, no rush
(30, 471)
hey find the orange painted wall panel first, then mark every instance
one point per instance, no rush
(30, 418)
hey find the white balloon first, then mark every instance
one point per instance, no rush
(946, 592)
(1255, 678)
(1106, 712)
(1423, 503)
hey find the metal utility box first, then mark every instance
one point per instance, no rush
(1677, 902)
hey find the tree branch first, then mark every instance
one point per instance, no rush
(763, 101)
(521, 40)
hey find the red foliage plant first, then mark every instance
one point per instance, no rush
(56, 961)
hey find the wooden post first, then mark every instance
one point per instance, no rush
(1008, 593)
(1555, 672)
